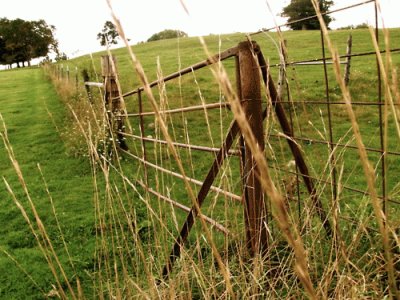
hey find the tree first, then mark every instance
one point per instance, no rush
(108, 34)
(167, 34)
(299, 9)
(22, 41)
(359, 26)
(61, 56)
(2, 51)
(42, 39)
(7, 47)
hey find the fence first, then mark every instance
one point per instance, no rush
(317, 138)
(249, 88)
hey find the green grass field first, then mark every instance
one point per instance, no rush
(31, 110)
(119, 236)
(306, 83)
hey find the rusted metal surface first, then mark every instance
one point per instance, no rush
(231, 152)
(255, 208)
(181, 110)
(298, 157)
(248, 166)
(210, 221)
(205, 188)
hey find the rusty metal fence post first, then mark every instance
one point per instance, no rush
(249, 91)
(111, 100)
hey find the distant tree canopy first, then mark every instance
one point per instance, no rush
(108, 34)
(359, 26)
(61, 56)
(299, 9)
(167, 34)
(21, 41)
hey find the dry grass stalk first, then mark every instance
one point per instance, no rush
(43, 240)
(337, 270)
(288, 229)
(368, 169)
(139, 69)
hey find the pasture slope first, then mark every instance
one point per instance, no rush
(32, 113)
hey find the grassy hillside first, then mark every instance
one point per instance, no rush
(306, 83)
(173, 53)
(119, 236)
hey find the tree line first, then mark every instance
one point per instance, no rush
(295, 12)
(21, 41)
(109, 34)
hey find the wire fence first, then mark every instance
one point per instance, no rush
(308, 140)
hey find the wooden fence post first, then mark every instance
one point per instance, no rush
(76, 79)
(86, 78)
(113, 106)
(249, 91)
(348, 60)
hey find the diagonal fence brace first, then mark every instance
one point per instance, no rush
(205, 188)
(223, 153)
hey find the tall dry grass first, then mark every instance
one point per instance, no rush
(300, 263)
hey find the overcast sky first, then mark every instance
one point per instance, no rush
(79, 21)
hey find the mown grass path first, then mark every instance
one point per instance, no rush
(32, 113)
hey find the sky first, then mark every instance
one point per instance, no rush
(78, 21)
